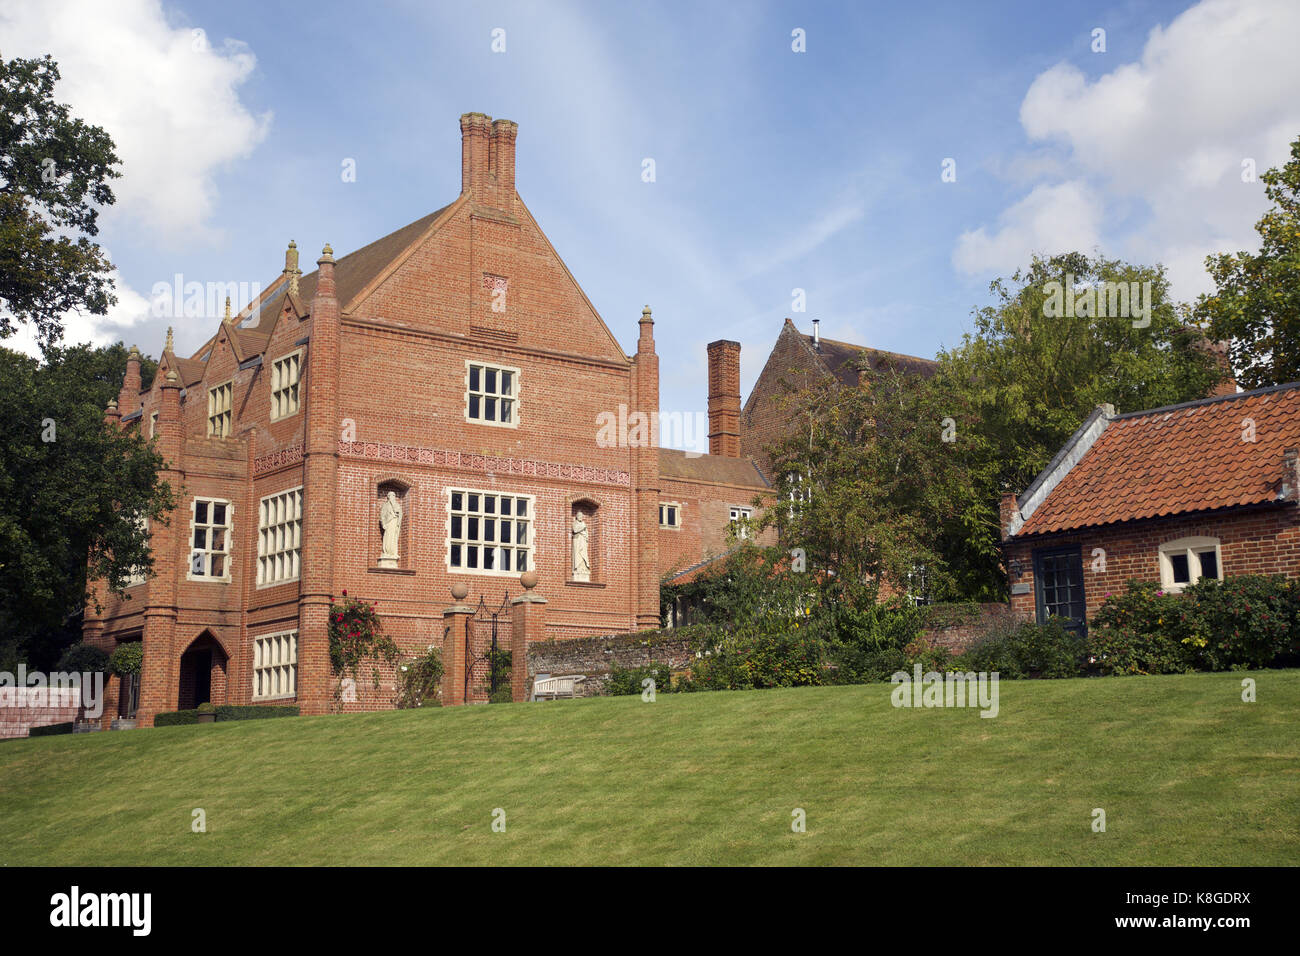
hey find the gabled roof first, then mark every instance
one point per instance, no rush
(1198, 456)
(353, 273)
(725, 471)
(843, 359)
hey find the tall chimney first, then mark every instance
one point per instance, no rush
(474, 155)
(503, 160)
(724, 398)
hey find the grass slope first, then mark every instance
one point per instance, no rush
(1187, 774)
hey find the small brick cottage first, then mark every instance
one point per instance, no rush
(1171, 495)
(451, 373)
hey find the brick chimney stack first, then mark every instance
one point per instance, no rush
(724, 398)
(487, 160)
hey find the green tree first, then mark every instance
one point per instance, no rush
(1255, 307)
(73, 492)
(54, 172)
(907, 471)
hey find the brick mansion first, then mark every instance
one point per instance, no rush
(468, 456)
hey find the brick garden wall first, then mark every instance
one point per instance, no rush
(596, 657)
(22, 708)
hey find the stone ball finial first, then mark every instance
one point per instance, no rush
(134, 353)
(528, 579)
(460, 590)
(172, 376)
(112, 404)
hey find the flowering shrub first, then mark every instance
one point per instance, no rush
(419, 680)
(355, 635)
(1143, 631)
(1244, 621)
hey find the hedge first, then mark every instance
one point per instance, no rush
(175, 718)
(49, 730)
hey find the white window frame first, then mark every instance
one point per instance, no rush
(483, 394)
(278, 533)
(670, 526)
(1193, 547)
(208, 551)
(153, 424)
(221, 417)
(293, 389)
(465, 542)
(138, 575)
(275, 656)
(740, 516)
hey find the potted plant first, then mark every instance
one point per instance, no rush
(207, 713)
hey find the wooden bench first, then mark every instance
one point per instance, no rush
(546, 687)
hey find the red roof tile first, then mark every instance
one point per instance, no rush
(1175, 460)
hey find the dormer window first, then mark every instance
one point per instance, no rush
(285, 374)
(219, 415)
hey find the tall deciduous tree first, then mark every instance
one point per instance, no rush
(54, 173)
(73, 493)
(906, 471)
(1255, 307)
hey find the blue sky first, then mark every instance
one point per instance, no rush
(775, 170)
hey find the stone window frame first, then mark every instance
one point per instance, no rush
(265, 556)
(281, 647)
(513, 398)
(668, 526)
(1192, 546)
(294, 388)
(227, 552)
(465, 541)
(218, 416)
(153, 424)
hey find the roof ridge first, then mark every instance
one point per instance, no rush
(1213, 399)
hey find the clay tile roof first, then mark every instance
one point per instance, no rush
(190, 371)
(352, 273)
(1178, 459)
(842, 360)
(687, 575)
(715, 468)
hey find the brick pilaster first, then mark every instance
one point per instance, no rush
(320, 487)
(527, 626)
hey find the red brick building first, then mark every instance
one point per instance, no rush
(455, 364)
(1170, 495)
(798, 361)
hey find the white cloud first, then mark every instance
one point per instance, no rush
(1050, 220)
(1214, 87)
(131, 310)
(167, 95)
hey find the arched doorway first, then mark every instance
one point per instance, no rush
(202, 673)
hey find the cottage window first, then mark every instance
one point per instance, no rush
(1187, 560)
(670, 515)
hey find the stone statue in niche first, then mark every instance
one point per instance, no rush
(581, 562)
(390, 520)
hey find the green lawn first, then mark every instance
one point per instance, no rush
(1186, 772)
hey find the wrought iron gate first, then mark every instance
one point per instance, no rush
(487, 653)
